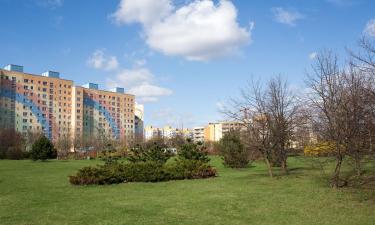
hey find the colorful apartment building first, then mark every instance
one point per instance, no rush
(46, 103)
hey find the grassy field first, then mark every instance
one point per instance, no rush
(39, 193)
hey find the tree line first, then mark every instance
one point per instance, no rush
(336, 107)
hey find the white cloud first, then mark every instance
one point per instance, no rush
(286, 17)
(140, 82)
(370, 28)
(200, 30)
(147, 99)
(143, 11)
(313, 55)
(149, 90)
(99, 60)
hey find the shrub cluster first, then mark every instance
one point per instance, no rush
(154, 152)
(324, 148)
(149, 171)
(148, 166)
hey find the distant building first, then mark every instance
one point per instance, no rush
(215, 131)
(198, 134)
(152, 132)
(187, 133)
(138, 120)
(169, 132)
(227, 126)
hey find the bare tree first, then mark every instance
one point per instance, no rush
(343, 110)
(365, 59)
(63, 145)
(282, 105)
(327, 98)
(268, 115)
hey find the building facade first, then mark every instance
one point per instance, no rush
(139, 121)
(215, 131)
(54, 106)
(169, 132)
(198, 134)
(152, 132)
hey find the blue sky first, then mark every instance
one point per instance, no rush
(181, 72)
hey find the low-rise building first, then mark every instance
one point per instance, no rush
(169, 132)
(152, 132)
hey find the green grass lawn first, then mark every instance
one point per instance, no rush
(39, 193)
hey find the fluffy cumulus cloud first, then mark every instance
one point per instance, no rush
(140, 82)
(286, 17)
(142, 11)
(99, 60)
(370, 28)
(200, 30)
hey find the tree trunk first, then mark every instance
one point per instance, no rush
(358, 166)
(284, 167)
(269, 167)
(335, 183)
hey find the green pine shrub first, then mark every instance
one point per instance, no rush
(149, 171)
(233, 151)
(192, 151)
(189, 169)
(43, 149)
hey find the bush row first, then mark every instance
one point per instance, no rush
(149, 171)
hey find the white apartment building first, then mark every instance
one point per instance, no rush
(198, 134)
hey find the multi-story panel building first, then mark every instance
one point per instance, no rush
(198, 134)
(215, 131)
(36, 103)
(54, 106)
(231, 125)
(106, 112)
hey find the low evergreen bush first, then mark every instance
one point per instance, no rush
(189, 169)
(149, 171)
